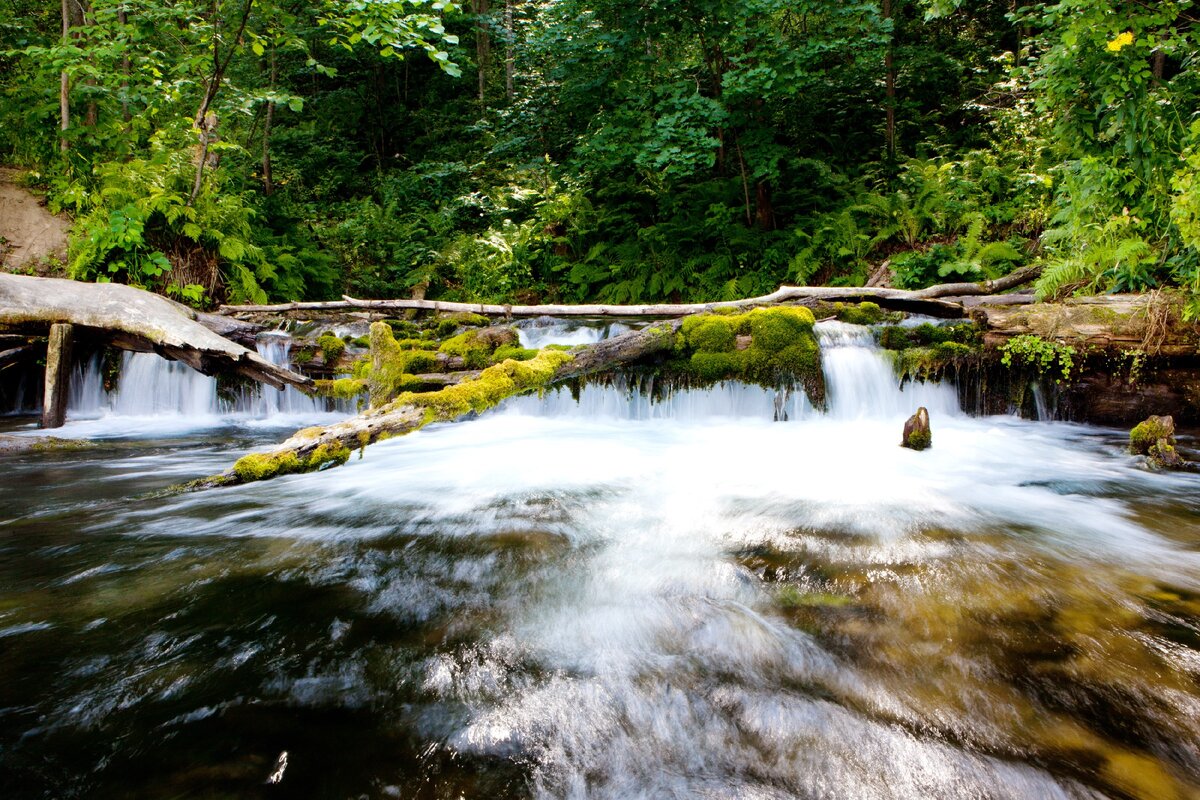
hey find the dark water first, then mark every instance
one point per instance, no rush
(560, 603)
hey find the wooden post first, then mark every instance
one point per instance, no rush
(58, 374)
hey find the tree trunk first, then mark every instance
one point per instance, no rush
(133, 319)
(64, 88)
(509, 49)
(483, 45)
(764, 212)
(890, 80)
(58, 374)
(943, 300)
(268, 186)
(123, 20)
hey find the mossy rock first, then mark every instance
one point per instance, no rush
(708, 334)
(332, 347)
(515, 352)
(917, 435)
(1148, 432)
(865, 313)
(476, 347)
(342, 388)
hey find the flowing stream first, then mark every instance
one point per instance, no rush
(610, 598)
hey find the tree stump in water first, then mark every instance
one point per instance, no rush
(916, 431)
(58, 372)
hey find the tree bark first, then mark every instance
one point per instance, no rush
(509, 49)
(483, 46)
(133, 319)
(889, 67)
(268, 185)
(64, 87)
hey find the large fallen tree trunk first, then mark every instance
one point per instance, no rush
(316, 448)
(1146, 323)
(133, 319)
(929, 301)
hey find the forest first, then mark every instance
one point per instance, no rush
(610, 151)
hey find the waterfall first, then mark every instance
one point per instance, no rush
(859, 378)
(152, 387)
(860, 382)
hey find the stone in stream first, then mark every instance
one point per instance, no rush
(916, 431)
(1154, 437)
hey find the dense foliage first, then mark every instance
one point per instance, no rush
(609, 150)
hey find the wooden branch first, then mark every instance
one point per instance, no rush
(134, 319)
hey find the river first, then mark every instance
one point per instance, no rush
(604, 598)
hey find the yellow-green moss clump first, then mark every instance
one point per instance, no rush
(476, 347)
(332, 347)
(391, 367)
(766, 345)
(494, 384)
(261, 466)
(342, 388)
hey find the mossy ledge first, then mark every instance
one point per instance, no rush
(767, 346)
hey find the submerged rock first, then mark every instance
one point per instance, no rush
(917, 435)
(1154, 438)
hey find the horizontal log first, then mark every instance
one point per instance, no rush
(133, 319)
(926, 301)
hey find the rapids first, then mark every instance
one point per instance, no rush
(608, 598)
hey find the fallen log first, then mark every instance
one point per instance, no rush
(921, 301)
(316, 448)
(1114, 323)
(134, 319)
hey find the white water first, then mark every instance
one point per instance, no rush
(156, 396)
(538, 333)
(644, 660)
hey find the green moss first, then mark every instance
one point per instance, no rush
(495, 384)
(466, 319)
(343, 388)
(476, 347)
(1146, 434)
(403, 328)
(919, 439)
(865, 313)
(261, 466)
(332, 347)
(709, 334)
(362, 341)
(390, 368)
(774, 329)
(717, 366)
(303, 355)
(515, 352)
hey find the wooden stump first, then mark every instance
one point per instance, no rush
(58, 375)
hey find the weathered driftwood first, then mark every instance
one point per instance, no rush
(1114, 323)
(58, 373)
(132, 319)
(315, 448)
(924, 301)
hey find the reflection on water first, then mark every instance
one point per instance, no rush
(584, 600)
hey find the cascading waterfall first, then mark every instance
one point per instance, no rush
(542, 331)
(152, 387)
(861, 384)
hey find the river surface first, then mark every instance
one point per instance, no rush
(606, 598)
